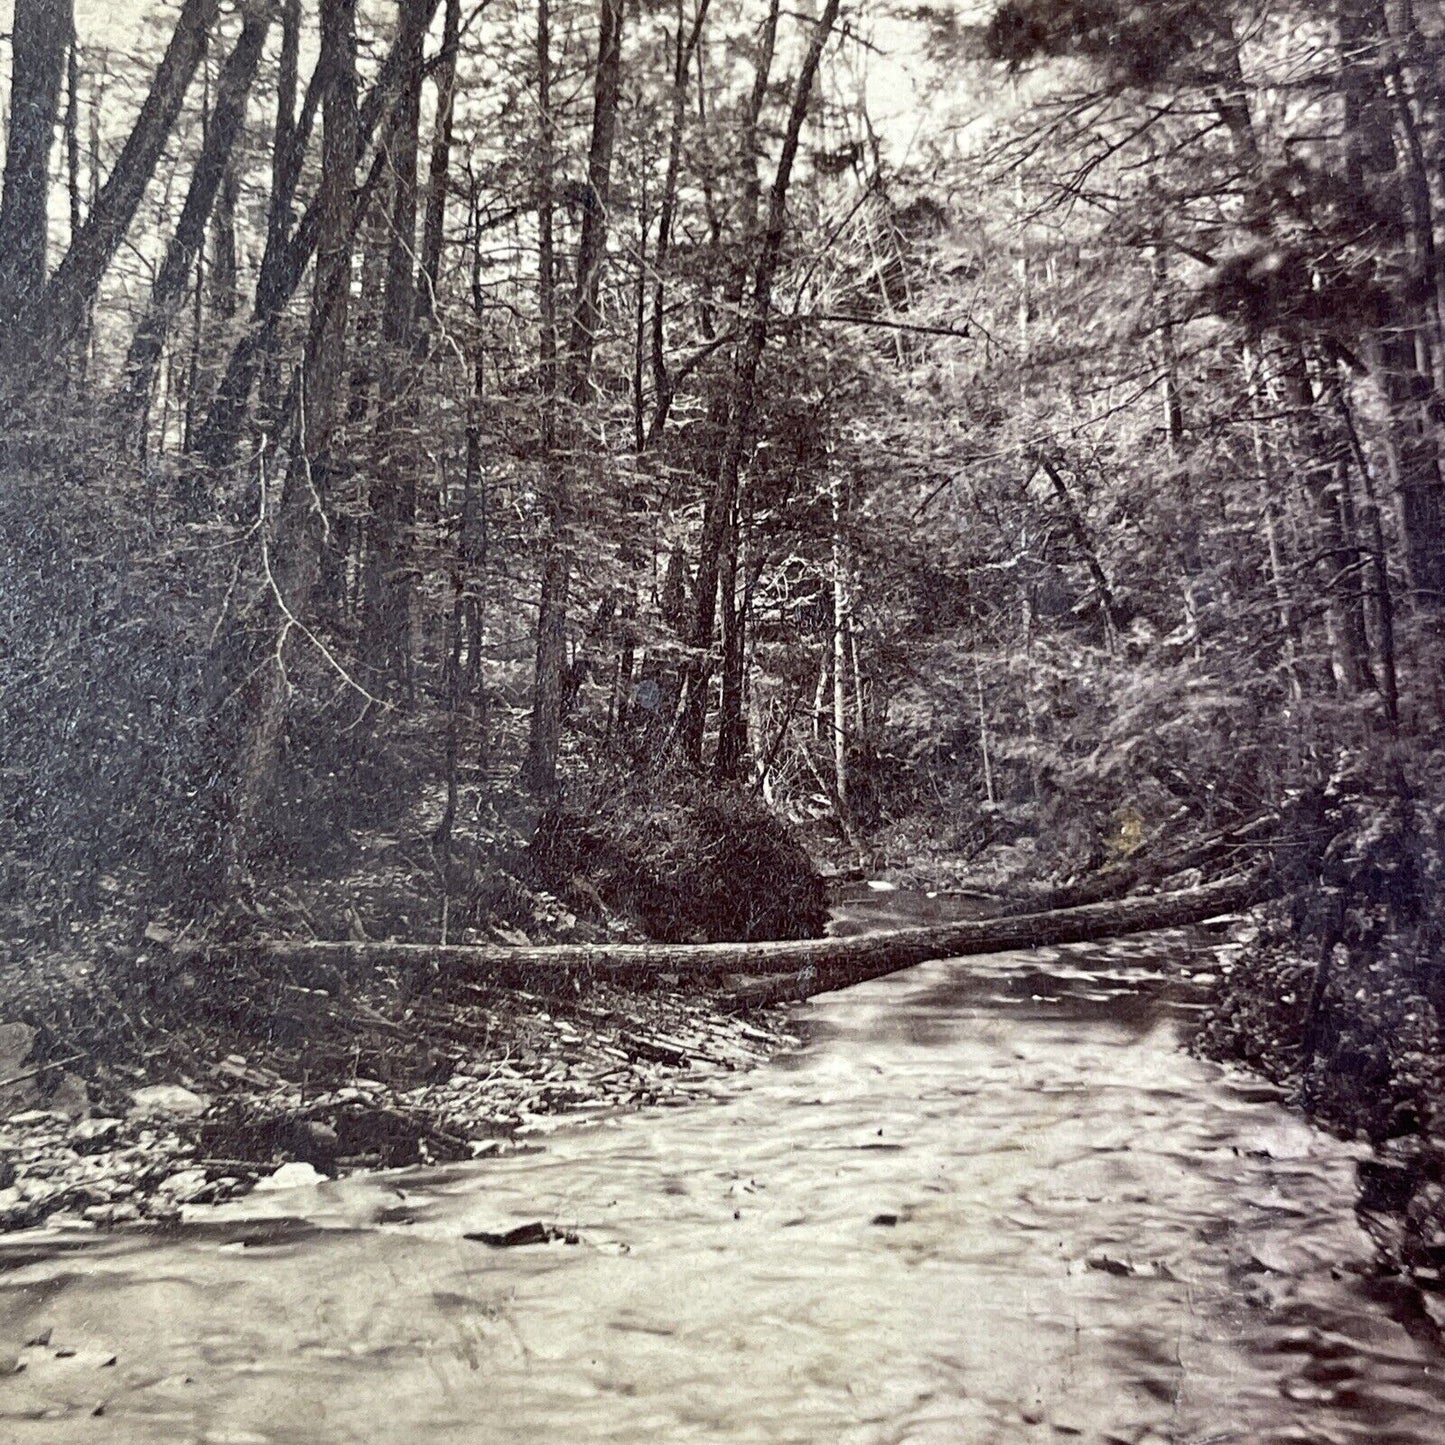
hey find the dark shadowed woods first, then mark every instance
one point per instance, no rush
(485, 474)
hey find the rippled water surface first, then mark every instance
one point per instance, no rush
(989, 1200)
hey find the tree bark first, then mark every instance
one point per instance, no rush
(744, 394)
(1370, 105)
(287, 253)
(545, 727)
(806, 967)
(434, 225)
(387, 602)
(221, 286)
(662, 381)
(40, 37)
(52, 322)
(294, 570)
(169, 288)
(1325, 482)
(549, 689)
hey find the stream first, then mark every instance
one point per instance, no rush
(987, 1200)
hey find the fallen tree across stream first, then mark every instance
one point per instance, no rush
(753, 972)
(1147, 866)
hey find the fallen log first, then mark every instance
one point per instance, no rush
(1088, 923)
(1144, 868)
(816, 964)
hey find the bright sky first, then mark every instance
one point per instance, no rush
(891, 65)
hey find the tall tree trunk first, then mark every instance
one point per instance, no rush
(207, 179)
(732, 727)
(1322, 464)
(293, 571)
(684, 48)
(434, 226)
(331, 294)
(42, 34)
(468, 563)
(287, 253)
(1287, 611)
(1379, 561)
(544, 734)
(840, 653)
(1414, 462)
(1374, 97)
(592, 245)
(744, 393)
(549, 688)
(52, 322)
(732, 724)
(72, 130)
(387, 591)
(221, 294)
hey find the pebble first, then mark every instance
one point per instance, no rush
(291, 1176)
(185, 1185)
(91, 1135)
(169, 1099)
(107, 1170)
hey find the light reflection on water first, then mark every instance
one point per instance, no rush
(989, 1200)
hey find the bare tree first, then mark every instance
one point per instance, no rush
(40, 38)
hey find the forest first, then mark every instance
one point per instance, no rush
(484, 474)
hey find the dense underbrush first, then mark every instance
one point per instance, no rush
(683, 860)
(1340, 993)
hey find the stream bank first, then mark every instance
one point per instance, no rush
(365, 1075)
(988, 1200)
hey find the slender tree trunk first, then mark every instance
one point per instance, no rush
(684, 48)
(1379, 563)
(1268, 491)
(72, 130)
(464, 565)
(51, 322)
(387, 589)
(592, 246)
(1414, 462)
(42, 32)
(434, 226)
(207, 180)
(222, 291)
(840, 654)
(331, 296)
(732, 734)
(545, 734)
(80, 357)
(1320, 460)
(744, 393)
(984, 750)
(287, 253)
(1169, 356)
(293, 567)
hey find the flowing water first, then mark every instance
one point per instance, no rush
(988, 1200)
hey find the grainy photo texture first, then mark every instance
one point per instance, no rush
(722, 722)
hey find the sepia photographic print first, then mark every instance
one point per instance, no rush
(722, 722)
